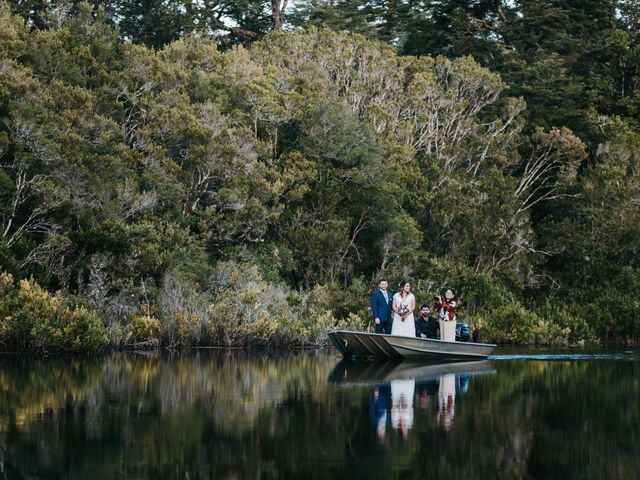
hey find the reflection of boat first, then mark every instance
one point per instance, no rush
(362, 344)
(375, 373)
(398, 385)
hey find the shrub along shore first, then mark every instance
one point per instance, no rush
(248, 312)
(199, 193)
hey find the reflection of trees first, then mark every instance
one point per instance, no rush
(597, 416)
(31, 388)
(222, 416)
(145, 412)
(38, 397)
(539, 420)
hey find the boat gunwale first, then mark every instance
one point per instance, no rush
(427, 340)
(463, 354)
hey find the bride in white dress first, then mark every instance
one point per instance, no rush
(403, 305)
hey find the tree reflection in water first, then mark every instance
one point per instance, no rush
(205, 415)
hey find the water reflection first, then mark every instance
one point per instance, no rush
(379, 409)
(392, 405)
(396, 385)
(447, 400)
(402, 405)
(208, 415)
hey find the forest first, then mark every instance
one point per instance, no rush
(241, 173)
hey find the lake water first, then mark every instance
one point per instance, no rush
(207, 414)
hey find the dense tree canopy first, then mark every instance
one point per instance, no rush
(280, 179)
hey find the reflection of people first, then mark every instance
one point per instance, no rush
(447, 308)
(378, 408)
(463, 383)
(402, 405)
(381, 307)
(426, 391)
(447, 400)
(426, 325)
(403, 305)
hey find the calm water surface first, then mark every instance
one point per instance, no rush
(202, 415)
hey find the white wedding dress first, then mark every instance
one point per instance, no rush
(406, 327)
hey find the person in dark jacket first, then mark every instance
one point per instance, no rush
(426, 325)
(381, 301)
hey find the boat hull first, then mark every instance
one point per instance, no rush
(380, 372)
(361, 344)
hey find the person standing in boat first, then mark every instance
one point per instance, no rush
(404, 303)
(381, 301)
(447, 308)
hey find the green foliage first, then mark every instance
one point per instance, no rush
(31, 319)
(553, 324)
(581, 330)
(514, 324)
(239, 308)
(313, 162)
(545, 50)
(145, 327)
(595, 239)
(477, 291)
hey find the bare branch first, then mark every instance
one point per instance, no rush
(241, 32)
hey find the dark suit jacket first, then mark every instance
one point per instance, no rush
(379, 307)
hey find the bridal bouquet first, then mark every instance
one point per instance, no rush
(402, 311)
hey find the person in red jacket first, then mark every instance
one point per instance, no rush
(446, 308)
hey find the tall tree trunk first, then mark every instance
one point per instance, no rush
(277, 8)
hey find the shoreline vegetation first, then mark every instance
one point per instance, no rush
(203, 193)
(34, 320)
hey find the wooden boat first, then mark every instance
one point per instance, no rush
(362, 344)
(348, 373)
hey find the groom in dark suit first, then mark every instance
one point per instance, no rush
(381, 301)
